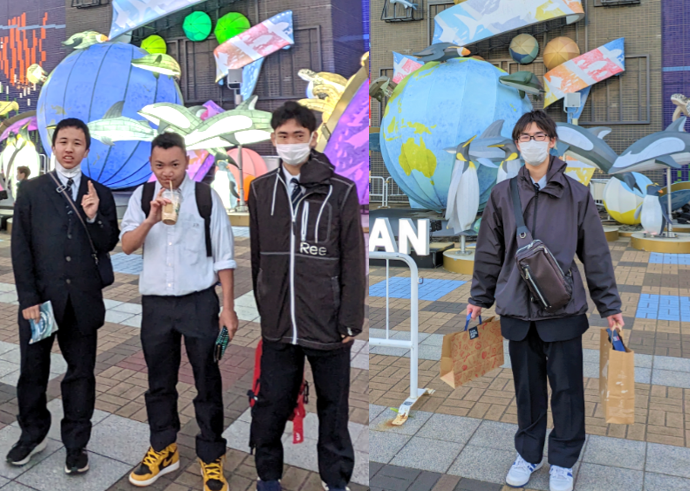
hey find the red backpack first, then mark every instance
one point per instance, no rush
(299, 412)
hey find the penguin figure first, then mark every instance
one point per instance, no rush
(463, 193)
(509, 168)
(652, 213)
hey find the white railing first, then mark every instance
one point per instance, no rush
(413, 343)
(373, 190)
(393, 192)
(596, 187)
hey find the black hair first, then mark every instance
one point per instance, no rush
(167, 140)
(25, 170)
(294, 111)
(543, 121)
(73, 123)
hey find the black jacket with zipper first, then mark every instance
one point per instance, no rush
(308, 264)
(563, 216)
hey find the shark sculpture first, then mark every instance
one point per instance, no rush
(524, 81)
(382, 88)
(83, 40)
(669, 148)
(491, 148)
(404, 3)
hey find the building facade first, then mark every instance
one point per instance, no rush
(632, 105)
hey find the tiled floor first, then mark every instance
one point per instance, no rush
(462, 439)
(120, 432)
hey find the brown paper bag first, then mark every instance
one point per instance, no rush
(464, 359)
(616, 382)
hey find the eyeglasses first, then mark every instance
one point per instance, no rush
(539, 137)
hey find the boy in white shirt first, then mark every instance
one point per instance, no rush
(182, 265)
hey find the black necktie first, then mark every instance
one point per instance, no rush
(296, 191)
(536, 187)
(68, 188)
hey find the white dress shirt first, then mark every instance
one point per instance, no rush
(288, 179)
(175, 261)
(541, 182)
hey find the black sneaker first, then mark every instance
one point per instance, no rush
(21, 452)
(77, 462)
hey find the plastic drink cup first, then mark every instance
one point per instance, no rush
(171, 211)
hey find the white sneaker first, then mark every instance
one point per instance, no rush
(520, 472)
(561, 479)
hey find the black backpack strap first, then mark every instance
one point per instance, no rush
(204, 204)
(147, 197)
(523, 235)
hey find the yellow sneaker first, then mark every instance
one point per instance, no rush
(155, 464)
(214, 479)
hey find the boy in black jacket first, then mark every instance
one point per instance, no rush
(308, 270)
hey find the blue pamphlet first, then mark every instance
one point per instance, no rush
(616, 341)
(46, 326)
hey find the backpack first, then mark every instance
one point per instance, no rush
(204, 204)
(298, 414)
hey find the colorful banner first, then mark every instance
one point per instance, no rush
(585, 70)
(404, 65)
(250, 76)
(131, 14)
(475, 20)
(257, 42)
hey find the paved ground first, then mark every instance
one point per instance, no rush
(463, 438)
(120, 433)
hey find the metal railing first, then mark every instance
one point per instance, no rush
(394, 194)
(374, 189)
(413, 343)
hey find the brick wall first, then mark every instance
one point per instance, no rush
(639, 24)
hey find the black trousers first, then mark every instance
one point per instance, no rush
(533, 360)
(165, 320)
(282, 370)
(78, 386)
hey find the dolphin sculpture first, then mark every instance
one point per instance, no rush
(492, 147)
(382, 88)
(83, 40)
(670, 147)
(588, 146)
(525, 82)
(405, 3)
(441, 52)
(159, 64)
(114, 127)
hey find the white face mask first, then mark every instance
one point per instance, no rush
(294, 154)
(534, 153)
(69, 173)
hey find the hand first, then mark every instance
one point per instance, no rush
(90, 201)
(474, 311)
(347, 339)
(156, 212)
(616, 321)
(33, 312)
(228, 319)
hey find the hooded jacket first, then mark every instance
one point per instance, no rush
(308, 262)
(563, 216)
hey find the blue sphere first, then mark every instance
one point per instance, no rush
(436, 108)
(85, 85)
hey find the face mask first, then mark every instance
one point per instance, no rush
(534, 153)
(294, 154)
(69, 173)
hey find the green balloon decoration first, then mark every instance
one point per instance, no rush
(155, 44)
(230, 25)
(197, 26)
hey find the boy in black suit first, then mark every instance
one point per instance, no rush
(53, 260)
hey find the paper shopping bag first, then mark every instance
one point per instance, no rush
(616, 379)
(471, 353)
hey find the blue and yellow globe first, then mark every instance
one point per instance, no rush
(437, 107)
(524, 48)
